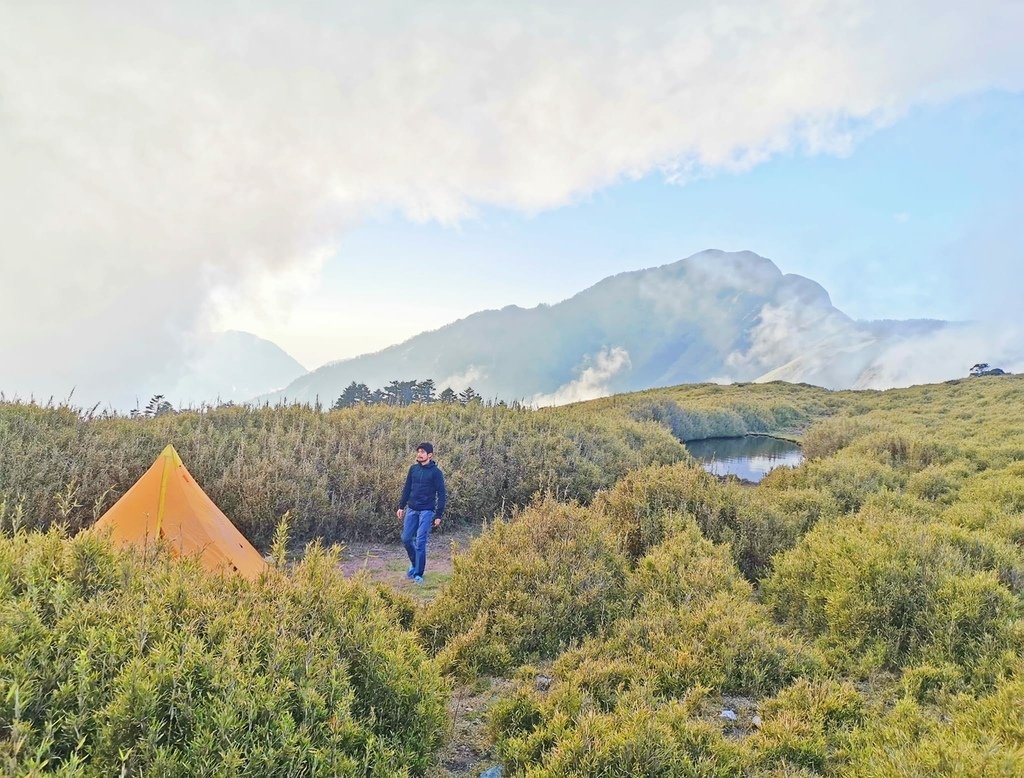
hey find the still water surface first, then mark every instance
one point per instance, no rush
(750, 458)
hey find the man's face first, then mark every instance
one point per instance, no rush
(422, 456)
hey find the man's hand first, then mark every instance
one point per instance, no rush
(400, 513)
(437, 522)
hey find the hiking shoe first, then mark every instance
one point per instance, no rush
(418, 579)
(411, 573)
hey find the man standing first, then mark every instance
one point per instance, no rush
(424, 494)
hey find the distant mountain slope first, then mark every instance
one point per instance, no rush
(716, 316)
(228, 366)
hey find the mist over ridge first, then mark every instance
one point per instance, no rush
(715, 316)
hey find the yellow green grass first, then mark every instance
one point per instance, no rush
(861, 613)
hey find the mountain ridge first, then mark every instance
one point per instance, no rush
(713, 316)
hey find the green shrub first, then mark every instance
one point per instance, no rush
(1002, 487)
(475, 652)
(977, 738)
(516, 725)
(633, 739)
(803, 507)
(693, 631)
(551, 576)
(829, 436)
(648, 505)
(724, 643)
(904, 450)
(939, 483)
(640, 508)
(631, 742)
(849, 477)
(686, 569)
(757, 524)
(882, 591)
(115, 664)
(986, 549)
(925, 682)
(806, 725)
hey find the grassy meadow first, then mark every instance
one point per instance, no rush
(858, 615)
(339, 474)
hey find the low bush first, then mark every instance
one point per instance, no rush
(1001, 488)
(973, 738)
(475, 652)
(635, 738)
(905, 450)
(725, 643)
(639, 509)
(829, 436)
(940, 483)
(113, 664)
(686, 569)
(693, 632)
(807, 725)
(849, 477)
(879, 591)
(647, 506)
(927, 682)
(547, 578)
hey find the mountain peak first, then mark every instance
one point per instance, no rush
(724, 315)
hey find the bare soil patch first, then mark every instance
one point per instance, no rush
(469, 751)
(387, 563)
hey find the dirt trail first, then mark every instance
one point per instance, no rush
(468, 751)
(388, 562)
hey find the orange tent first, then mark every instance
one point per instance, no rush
(167, 503)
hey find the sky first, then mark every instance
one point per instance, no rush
(336, 177)
(890, 229)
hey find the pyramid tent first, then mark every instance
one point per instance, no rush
(167, 503)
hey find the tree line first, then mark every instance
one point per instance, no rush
(395, 394)
(401, 393)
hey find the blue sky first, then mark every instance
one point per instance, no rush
(338, 177)
(890, 230)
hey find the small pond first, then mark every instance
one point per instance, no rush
(750, 458)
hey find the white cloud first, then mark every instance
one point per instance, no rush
(943, 355)
(786, 330)
(462, 381)
(593, 380)
(152, 152)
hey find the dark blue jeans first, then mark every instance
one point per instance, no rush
(414, 537)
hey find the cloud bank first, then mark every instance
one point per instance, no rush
(593, 380)
(152, 153)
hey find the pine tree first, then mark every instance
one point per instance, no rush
(423, 392)
(392, 393)
(399, 392)
(354, 394)
(158, 406)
